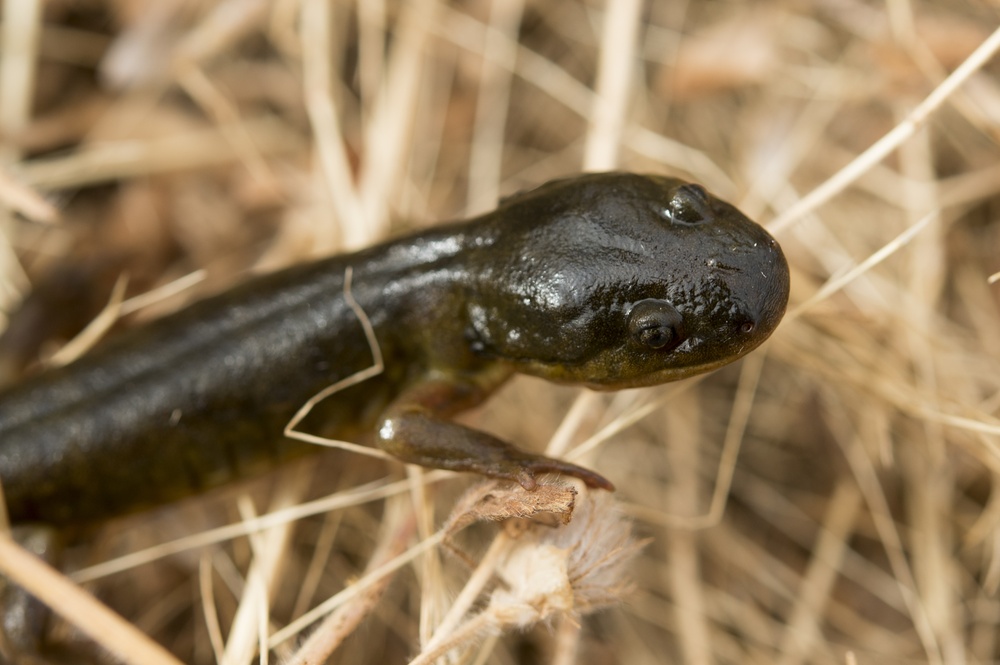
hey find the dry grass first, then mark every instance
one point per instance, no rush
(832, 499)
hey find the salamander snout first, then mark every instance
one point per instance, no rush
(761, 287)
(775, 287)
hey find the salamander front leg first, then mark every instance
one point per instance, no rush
(416, 430)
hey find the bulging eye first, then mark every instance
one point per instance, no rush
(689, 205)
(655, 324)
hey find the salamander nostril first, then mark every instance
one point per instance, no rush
(747, 327)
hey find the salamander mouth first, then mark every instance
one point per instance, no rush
(592, 374)
(659, 377)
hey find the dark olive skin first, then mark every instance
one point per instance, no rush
(606, 280)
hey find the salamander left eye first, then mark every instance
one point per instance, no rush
(689, 205)
(655, 324)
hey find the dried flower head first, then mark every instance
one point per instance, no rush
(552, 572)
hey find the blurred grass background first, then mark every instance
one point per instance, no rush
(831, 499)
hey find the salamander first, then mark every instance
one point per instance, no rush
(608, 280)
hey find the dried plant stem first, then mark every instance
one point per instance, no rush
(614, 83)
(739, 415)
(433, 599)
(567, 643)
(584, 404)
(805, 619)
(269, 548)
(374, 491)
(207, 590)
(388, 135)
(875, 498)
(361, 586)
(630, 417)
(885, 145)
(79, 608)
(397, 528)
(197, 84)
(22, 22)
(96, 329)
(331, 151)
(476, 626)
(136, 158)
(472, 589)
(26, 200)
(492, 102)
(684, 570)
(838, 282)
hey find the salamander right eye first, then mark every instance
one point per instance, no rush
(655, 324)
(689, 205)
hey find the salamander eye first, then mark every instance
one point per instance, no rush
(689, 205)
(655, 324)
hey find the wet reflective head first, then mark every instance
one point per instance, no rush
(616, 280)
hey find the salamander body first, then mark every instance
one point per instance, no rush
(610, 280)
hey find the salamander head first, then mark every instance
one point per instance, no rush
(618, 280)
